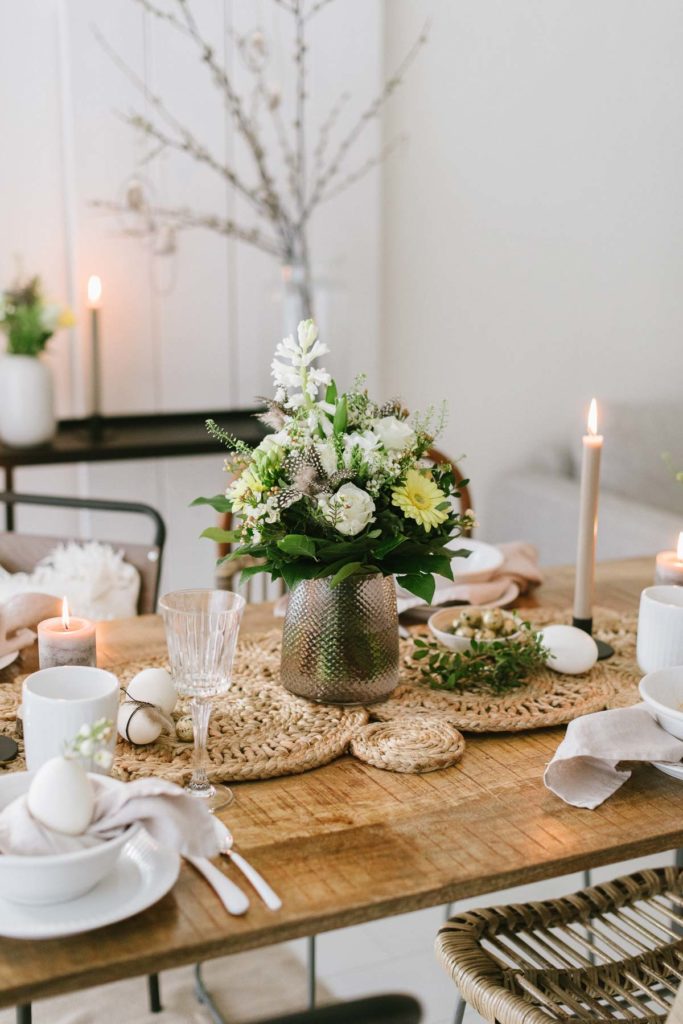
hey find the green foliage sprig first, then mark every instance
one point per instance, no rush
(497, 665)
(28, 320)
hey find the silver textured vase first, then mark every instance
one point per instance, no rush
(340, 645)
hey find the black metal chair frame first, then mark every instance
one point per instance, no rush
(12, 498)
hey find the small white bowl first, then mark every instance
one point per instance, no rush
(441, 623)
(55, 877)
(480, 565)
(662, 692)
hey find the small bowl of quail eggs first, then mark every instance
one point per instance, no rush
(457, 628)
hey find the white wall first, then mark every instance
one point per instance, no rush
(194, 330)
(533, 231)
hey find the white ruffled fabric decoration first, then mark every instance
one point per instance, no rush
(97, 581)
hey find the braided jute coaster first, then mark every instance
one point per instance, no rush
(422, 744)
(259, 730)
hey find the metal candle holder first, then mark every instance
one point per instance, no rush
(604, 650)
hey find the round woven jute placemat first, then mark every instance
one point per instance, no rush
(259, 730)
(421, 744)
(548, 699)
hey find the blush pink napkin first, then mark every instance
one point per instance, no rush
(584, 770)
(171, 816)
(520, 566)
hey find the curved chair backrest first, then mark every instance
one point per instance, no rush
(20, 552)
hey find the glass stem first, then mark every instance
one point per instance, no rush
(201, 712)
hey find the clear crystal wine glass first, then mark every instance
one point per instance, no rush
(201, 632)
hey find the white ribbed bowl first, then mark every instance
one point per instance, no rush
(55, 877)
(662, 692)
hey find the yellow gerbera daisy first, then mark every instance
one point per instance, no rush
(418, 499)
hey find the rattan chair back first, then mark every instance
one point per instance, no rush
(611, 952)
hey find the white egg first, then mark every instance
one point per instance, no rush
(61, 796)
(572, 650)
(137, 725)
(155, 686)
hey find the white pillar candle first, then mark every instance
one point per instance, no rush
(588, 518)
(66, 641)
(94, 300)
(670, 564)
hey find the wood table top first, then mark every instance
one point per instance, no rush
(348, 843)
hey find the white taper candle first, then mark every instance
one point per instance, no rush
(588, 518)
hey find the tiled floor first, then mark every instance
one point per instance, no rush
(396, 954)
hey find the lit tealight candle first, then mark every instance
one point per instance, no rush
(66, 640)
(670, 564)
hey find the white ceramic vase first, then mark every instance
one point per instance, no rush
(27, 410)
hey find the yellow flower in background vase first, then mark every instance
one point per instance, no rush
(419, 498)
(66, 318)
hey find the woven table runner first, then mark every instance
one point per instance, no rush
(259, 730)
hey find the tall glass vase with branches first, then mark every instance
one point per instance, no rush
(285, 187)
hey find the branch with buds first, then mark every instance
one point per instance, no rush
(283, 210)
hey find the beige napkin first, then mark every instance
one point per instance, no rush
(171, 816)
(584, 771)
(520, 566)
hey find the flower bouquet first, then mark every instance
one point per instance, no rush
(338, 501)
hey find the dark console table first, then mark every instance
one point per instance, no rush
(152, 435)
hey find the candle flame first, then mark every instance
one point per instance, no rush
(66, 618)
(94, 291)
(593, 418)
(679, 549)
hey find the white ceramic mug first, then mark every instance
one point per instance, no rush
(58, 701)
(660, 628)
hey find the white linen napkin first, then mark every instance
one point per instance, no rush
(583, 771)
(171, 816)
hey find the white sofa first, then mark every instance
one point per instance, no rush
(641, 503)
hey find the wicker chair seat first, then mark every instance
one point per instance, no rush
(610, 952)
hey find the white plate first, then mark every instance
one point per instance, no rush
(481, 564)
(8, 659)
(674, 770)
(143, 874)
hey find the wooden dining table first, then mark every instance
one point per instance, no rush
(348, 843)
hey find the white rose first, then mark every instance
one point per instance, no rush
(350, 509)
(394, 434)
(328, 458)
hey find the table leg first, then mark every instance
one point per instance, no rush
(310, 972)
(204, 996)
(24, 1014)
(9, 509)
(154, 993)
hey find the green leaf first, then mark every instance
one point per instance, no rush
(295, 572)
(220, 536)
(298, 545)
(331, 393)
(420, 584)
(346, 570)
(388, 545)
(219, 502)
(252, 570)
(341, 416)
